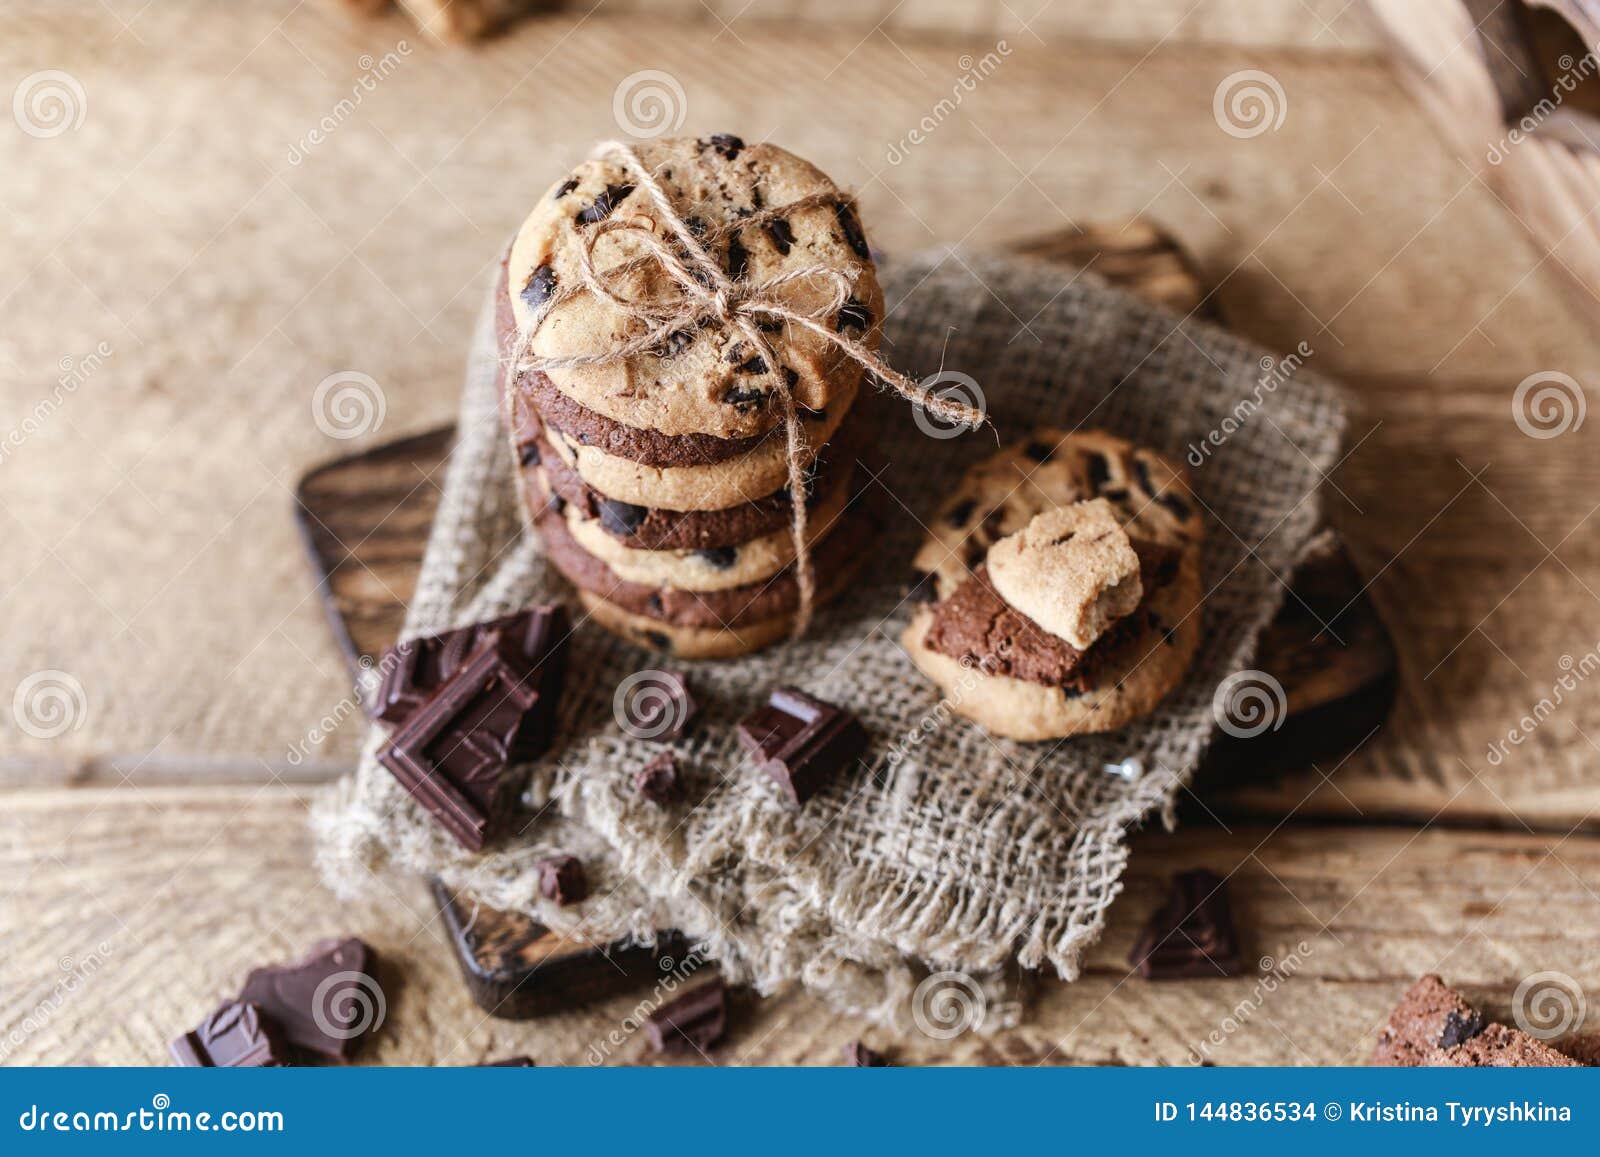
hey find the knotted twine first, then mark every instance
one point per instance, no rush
(702, 291)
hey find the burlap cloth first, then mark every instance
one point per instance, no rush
(964, 854)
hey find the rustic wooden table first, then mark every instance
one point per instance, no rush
(258, 197)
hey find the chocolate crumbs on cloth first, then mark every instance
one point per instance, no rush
(939, 848)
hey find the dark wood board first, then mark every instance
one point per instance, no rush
(365, 518)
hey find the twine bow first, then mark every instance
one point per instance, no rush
(701, 291)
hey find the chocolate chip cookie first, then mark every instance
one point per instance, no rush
(1013, 664)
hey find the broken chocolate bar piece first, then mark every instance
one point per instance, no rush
(692, 1023)
(516, 968)
(859, 1056)
(801, 741)
(454, 752)
(658, 780)
(561, 879)
(1191, 934)
(236, 1036)
(328, 1003)
(413, 670)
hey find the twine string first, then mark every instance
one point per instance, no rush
(700, 290)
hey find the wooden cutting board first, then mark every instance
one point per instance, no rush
(365, 518)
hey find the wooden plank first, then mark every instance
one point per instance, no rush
(145, 906)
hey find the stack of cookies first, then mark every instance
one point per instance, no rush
(657, 461)
(1059, 586)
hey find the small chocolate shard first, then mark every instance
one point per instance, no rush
(1459, 1028)
(720, 557)
(235, 1036)
(561, 879)
(658, 780)
(850, 224)
(328, 1004)
(853, 315)
(564, 188)
(738, 257)
(601, 207)
(508, 1063)
(454, 752)
(621, 517)
(726, 144)
(801, 741)
(858, 1056)
(692, 1023)
(1191, 934)
(782, 235)
(541, 286)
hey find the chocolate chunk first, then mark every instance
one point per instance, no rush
(801, 741)
(658, 640)
(328, 1003)
(1173, 503)
(745, 396)
(658, 781)
(455, 751)
(692, 1023)
(859, 1056)
(528, 454)
(561, 879)
(725, 143)
(413, 670)
(755, 365)
(1040, 452)
(1191, 934)
(782, 235)
(738, 257)
(1099, 471)
(854, 316)
(621, 517)
(236, 1036)
(1141, 471)
(721, 557)
(508, 1063)
(1459, 1027)
(564, 188)
(541, 286)
(923, 588)
(601, 207)
(961, 511)
(854, 237)
(674, 343)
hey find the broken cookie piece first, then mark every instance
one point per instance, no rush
(1434, 1026)
(1071, 570)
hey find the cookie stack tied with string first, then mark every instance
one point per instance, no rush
(685, 326)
